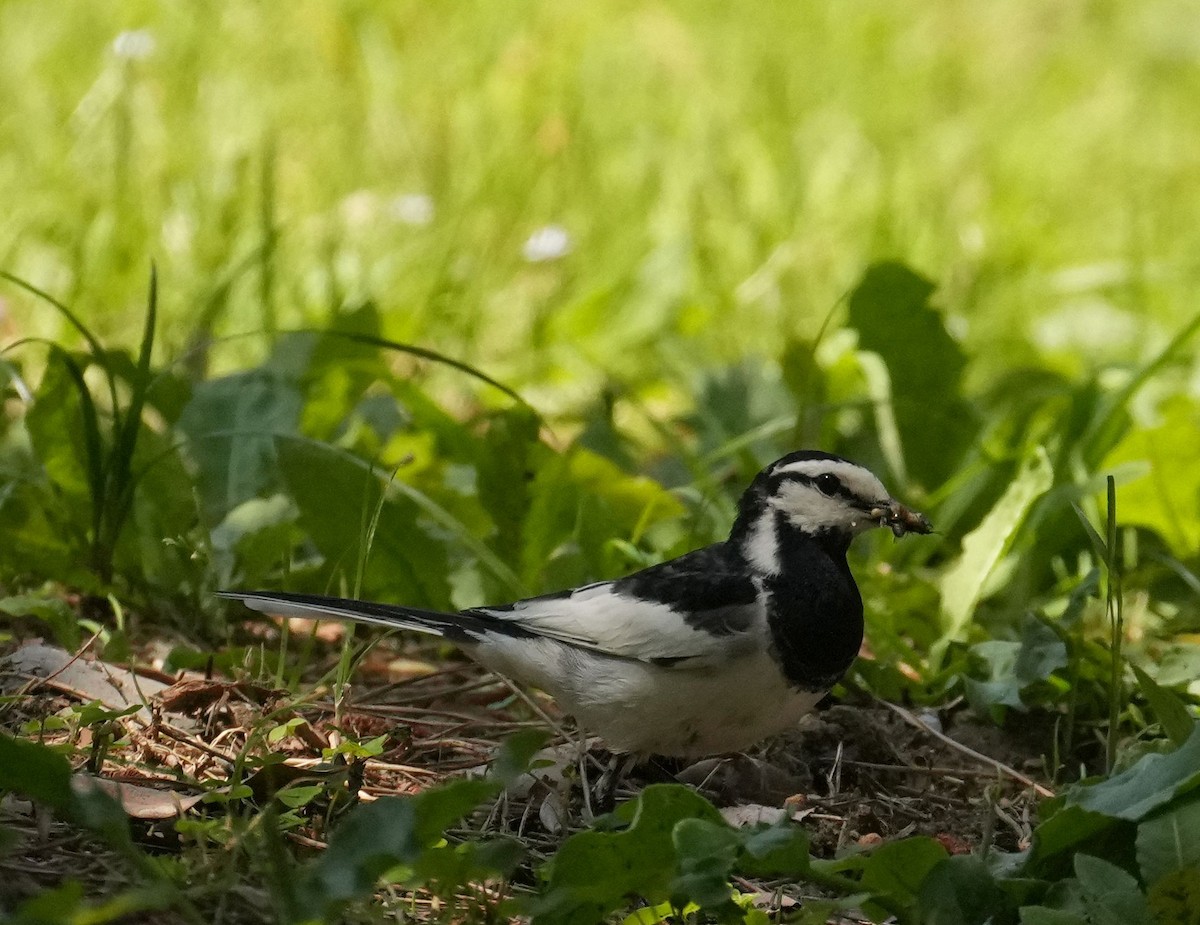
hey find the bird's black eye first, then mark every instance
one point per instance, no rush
(828, 483)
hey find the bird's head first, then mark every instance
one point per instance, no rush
(821, 495)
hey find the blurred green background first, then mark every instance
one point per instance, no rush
(951, 240)
(720, 174)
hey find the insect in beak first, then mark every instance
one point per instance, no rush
(900, 519)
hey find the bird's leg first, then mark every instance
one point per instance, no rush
(606, 787)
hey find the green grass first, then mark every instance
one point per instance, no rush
(724, 176)
(349, 377)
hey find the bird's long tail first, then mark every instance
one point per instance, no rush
(459, 628)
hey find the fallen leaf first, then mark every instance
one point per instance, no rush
(85, 679)
(753, 814)
(191, 695)
(140, 802)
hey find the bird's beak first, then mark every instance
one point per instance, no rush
(899, 519)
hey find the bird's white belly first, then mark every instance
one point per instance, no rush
(640, 707)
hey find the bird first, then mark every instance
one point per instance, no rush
(705, 654)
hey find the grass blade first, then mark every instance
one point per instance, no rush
(427, 354)
(1116, 616)
(1104, 433)
(1099, 546)
(93, 342)
(1169, 709)
(127, 431)
(97, 474)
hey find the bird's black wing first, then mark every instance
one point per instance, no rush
(701, 608)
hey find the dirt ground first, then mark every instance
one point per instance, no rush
(854, 774)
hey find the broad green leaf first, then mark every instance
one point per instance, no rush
(379, 836)
(1178, 666)
(447, 867)
(594, 871)
(1149, 784)
(961, 891)
(1167, 497)
(706, 853)
(43, 775)
(1013, 667)
(35, 537)
(896, 870)
(254, 538)
(154, 541)
(392, 831)
(963, 583)
(293, 797)
(231, 424)
(580, 503)
(337, 495)
(1042, 652)
(52, 611)
(1175, 899)
(1169, 709)
(1001, 688)
(890, 310)
(515, 755)
(504, 477)
(1170, 840)
(736, 407)
(779, 850)
(56, 426)
(1066, 830)
(332, 369)
(1040, 915)
(1110, 895)
(35, 771)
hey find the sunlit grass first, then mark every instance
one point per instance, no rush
(724, 175)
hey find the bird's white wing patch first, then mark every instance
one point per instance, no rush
(600, 618)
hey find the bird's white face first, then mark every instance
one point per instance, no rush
(820, 495)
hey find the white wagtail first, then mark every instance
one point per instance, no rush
(701, 655)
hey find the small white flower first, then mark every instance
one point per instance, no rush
(412, 209)
(133, 44)
(178, 231)
(550, 242)
(359, 208)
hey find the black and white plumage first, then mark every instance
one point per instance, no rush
(704, 654)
